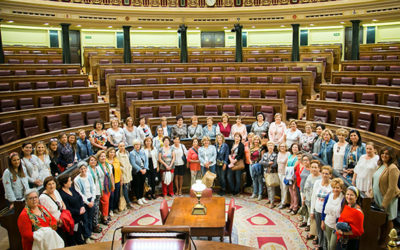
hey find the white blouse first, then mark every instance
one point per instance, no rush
(338, 156)
(51, 205)
(365, 169)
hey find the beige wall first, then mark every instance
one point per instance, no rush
(155, 38)
(26, 35)
(269, 37)
(98, 38)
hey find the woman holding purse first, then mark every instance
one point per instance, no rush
(236, 165)
(256, 167)
(166, 157)
(222, 161)
(269, 162)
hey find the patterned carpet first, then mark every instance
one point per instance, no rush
(255, 224)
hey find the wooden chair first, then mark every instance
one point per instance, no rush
(164, 211)
(229, 221)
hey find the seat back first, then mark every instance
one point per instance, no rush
(348, 96)
(321, 115)
(255, 93)
(7, 132)
(268, 112)
(30, 127)
(362, 81)
(277, 79)
(210, 110)
(246, 110)
(24, 86)
(85, 98)
(244, 79)
(231, 215)
(382, 81)
(212, 93)
(46, 101)
(164, 211)
(229, 109)
(346, 80)
(164, 111)
(197, 93)
(393, 100)
(230, 79)
(364, 121)
(92, 116)
(66, 100)
(291, 102)
(26, 103)
(234, 93)
(397, 131)
(331, 96)
(53, 122)
(343, 118)
(383, 125)
(164, 94)
(75, 119)
(271, 94)
(179, 94)
(187, 110)
(61, 84)
(368, 98)
(187, 80)
(7, 105)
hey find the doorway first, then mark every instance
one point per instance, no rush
(75, 46)
(348, 39)
(212, 39)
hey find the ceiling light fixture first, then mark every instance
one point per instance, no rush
(110, 27)
(311, 24)
(10, 21)
(46, 23)
(78, 25)
(139, 27)
(253, 26)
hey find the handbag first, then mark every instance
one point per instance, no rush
(183, 156)
(122, 202)
(239, 165)
(271, 179)
(208, 179)
(167, 177)
(220, 163)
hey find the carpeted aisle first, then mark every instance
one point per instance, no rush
(255, 224)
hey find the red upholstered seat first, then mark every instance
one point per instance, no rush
(261, 59)
(66, 100)
(197, 93)
(368, 98)
(136, 81)
(393, 100)
(216, 79)
(229, 109)
(7, 132)
(172, 80)
(362, 81)
(164, 94)
(179, 94)
(255, 93)
(395, 82)
(53, 122)
(152, 70)
(246, 110)
(4, 72)
(364, 121)
(61, 84)
(208, 60)
(229, 222)
(186, 80)
(365, 68)
(379, 68)
(179, 70)
(346, 80)
(72, 71)
(397, 131)
(140, 70)
(244, 69)
(165, 70)
(277, 59)
(92, 116)
(271, 69)
(151, 81)
(85, 98)
(164, 111)
(147, 95)
(145, 112)
(216, 69)
(234, 93)
(164, 211)
(7, 105)
(244, 79)
(41, 72)
(291, 100)
(271, 94)
(212, 93)
(351, 68)
(331, 96)
(268, 112)
(46, 101)
(251, 59)
(230, 79)
(192, 69)
(348, 96)
(394, 68)
(78, 83)
(383, 81)
(201, 80)
(230, 69)
(343, 118)
(187, 110)
(383, 125)
(126, 70)
(26, 103)
(277, 79)
(119, 82)
(75, 119)
(258, 68)
(321, 115)
(30, 127)
(24, 86)
(5, 86)
(262, 79)
(295, 68)
(210, 110)
(377, 57)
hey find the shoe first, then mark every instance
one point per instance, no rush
(289, 211)
(253, 196)
(307, 229)
(310, 237)
(153, 197)
(281, 206)
(104, 222)
(116, 211)
(140, 202)
(97, 230)
(259, 197)
(144, 201)
(304, 224)
(88, 241)
(111, 213)
(294, 212)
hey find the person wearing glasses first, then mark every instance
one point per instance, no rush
(339, 149)
(35, 217)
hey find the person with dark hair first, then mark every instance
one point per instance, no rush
(140, 166)
(238, 127)
(93, 171)
(365, 169)
(126, 172)
(51, 199)
(276, 132)
(166, 158)
(115, 166)
(307, 138)
(53, 153)
(83, 146)
(224, 127)
(290, 178)
(270, 164)
(194, 129)
(260, 126)
(106, 184)
(31, 164)
(179, 129)
(98, 136)
(193, 162)
(236, 155)
(42, 154)
(353, 152)
(152, 156)
(74, 203)
(143, 129)
(66, 155)
(131, 131)
(166, 129)
(180, 164)
(14, 179)
(385, 189)
(317, 142)
(115, 133)
(211, 130)
(350, 225)
(72, 141)
(207, 156)
(292, 134)
(222, 160)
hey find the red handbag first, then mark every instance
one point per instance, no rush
(68, 221)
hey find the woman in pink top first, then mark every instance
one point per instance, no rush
(223, 126)
(277, 129)
(240, 128)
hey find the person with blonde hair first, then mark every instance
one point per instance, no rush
(276, 132)
(292, 134)
(269, 162)
(166, 129)
(281, 160)
(152, 156)
(140, 166)
(115, 165)
(131, 131)
(238, 127)
(106, 184)
(194, 130)
(115, 134)
(331, 211)
(126, 171)
(44, 161)
(180, 162)
(307, 138)
(365, 169)
(207, 156)
(256, 167)
(339, 149)
(222, 161)
(326, 152)
(210, 130)
(166, 157)
(224, 126)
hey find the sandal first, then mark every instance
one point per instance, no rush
(310, 237)
(303, 224)
(307, 229)
(315, 241)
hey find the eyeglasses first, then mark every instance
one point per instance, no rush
(53, 139)
(33, 198)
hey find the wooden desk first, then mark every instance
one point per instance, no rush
(200, 244)
(211, 224)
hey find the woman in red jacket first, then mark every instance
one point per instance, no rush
(32, 218)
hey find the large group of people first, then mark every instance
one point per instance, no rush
(301, 163)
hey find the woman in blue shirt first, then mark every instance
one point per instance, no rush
(207, 156)
(326, 152)
(222, 160)
(140, 165)
(354, 150)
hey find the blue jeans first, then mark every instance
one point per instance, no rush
(221, 177)
(125, 191)
(234, 179)
(204, 170)
(88, 221)
(114, 198)
(257, 181)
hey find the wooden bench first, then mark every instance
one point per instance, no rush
(218, 67)
(56, 94)
(380, 92)
(371, 75)
(335, 48)
(199, 105)
(379, 46)
(10, 50)
(51, 80)
(327, 57)
(9, 69)
(382, 54)
(307, 79)
(370, 64)
(34, 59)
(16, 117)
(355, 109)
(223, 90)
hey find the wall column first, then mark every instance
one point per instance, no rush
(2, 60)
(355, 43)
(295, 43)
(239, 45)
(65, 43)
(127, 44)
(183, 41)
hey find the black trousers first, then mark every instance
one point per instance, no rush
(151, 177)
(138, 184)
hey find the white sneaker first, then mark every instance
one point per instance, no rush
(140, 202)
(259, 197)
(144, 201)
(111, 213)
(253, 196)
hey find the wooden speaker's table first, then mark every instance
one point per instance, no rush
(211, 225)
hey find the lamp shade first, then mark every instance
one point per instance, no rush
(198, 186)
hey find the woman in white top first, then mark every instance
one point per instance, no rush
(85, 186)
(365, 169)
(180, 163)
(339, 149)
(31, 164)
(144, 130)
(115, 134)
(331, 212)
(282, 159)
(321, 189)
(240, 128)
(158, 140)
(131, 131)
(152, 155)
(44, 159)
(276, 132)
(292, 134)
(126, 171)
(94, 172)
(51, 199)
